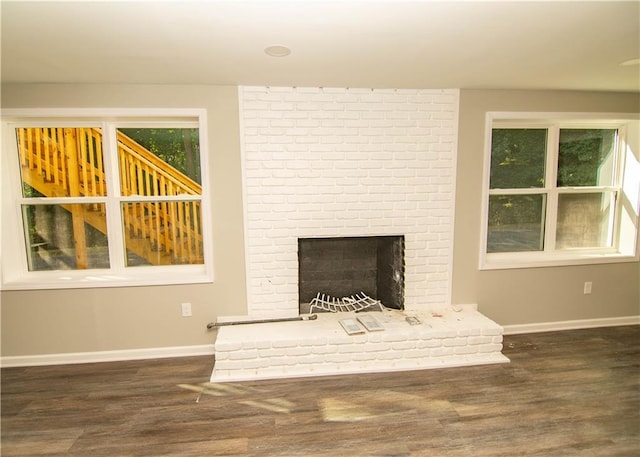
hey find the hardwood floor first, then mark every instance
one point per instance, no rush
(573, 393)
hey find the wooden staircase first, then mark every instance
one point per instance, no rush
(68, 162)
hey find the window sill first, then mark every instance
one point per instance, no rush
(540, 260)
(63, 279)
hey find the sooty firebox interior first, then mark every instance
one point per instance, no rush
(342, 267)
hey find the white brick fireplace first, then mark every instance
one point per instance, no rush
(342, 162)
(330, 162)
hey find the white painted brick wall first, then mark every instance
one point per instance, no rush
(332, 162)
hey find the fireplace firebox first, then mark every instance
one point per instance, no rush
(342, 267)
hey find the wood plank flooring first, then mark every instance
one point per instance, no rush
(572, 393)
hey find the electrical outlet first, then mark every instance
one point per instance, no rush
(186, 309)
(587, 287)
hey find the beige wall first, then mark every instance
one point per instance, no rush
(532, 295)
(85, 320)
(59, 321)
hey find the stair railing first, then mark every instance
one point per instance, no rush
(68, 159)
(171, 227)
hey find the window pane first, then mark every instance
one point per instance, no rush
(157, 162)
(163, 233)
(584, 220)
(586, 157)
(66, 237)
(516, 223)
(61, 162)
(518, 158)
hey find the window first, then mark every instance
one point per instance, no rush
(111, 200)
(559, 191)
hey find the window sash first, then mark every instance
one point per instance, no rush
(619, 249)
(15, 272)
(550, 190)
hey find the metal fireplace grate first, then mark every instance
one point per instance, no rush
(354, 303)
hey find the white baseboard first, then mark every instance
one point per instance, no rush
(105, 356)
(208, 349)
(570, 325)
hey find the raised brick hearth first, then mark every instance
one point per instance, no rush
(321, 347)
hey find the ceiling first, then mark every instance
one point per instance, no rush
(576, 45)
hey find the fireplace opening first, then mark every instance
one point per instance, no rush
(344, 267)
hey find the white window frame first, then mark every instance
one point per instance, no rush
(626, 184)
(13, 266)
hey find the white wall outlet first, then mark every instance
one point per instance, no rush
(587, 287)
(186, 309)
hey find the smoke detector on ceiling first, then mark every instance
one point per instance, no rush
(277, 51)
